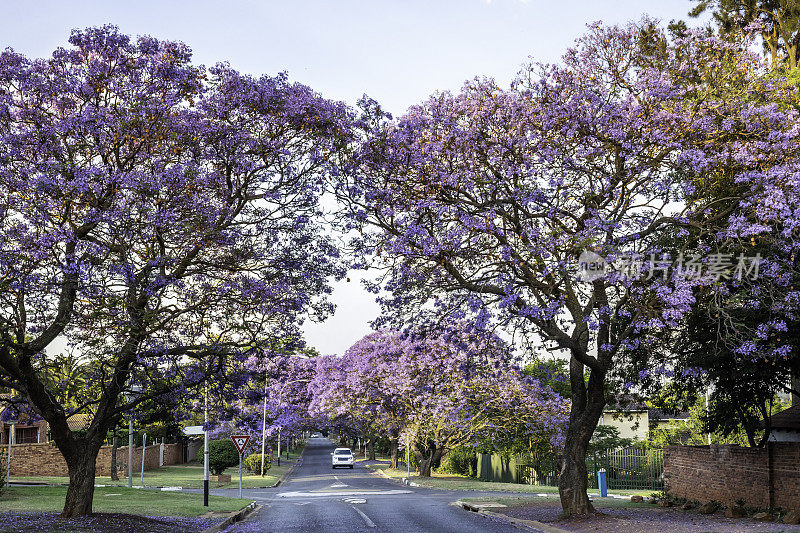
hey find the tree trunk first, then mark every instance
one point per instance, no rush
(114, 445)
(585, 412)
(424, 467)
(427, 463)
(80, 493)
(573, 481)
(371, 448)
(393, 453)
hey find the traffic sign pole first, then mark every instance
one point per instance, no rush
(240, 441)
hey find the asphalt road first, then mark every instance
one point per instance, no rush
(317, 498)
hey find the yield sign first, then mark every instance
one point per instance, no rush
(240, 441)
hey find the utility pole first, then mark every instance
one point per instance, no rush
(205, 453)
(264, 425)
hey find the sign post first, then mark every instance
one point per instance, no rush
(240, 441)
(144, 452)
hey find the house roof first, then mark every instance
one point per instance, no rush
(786, 419)
(661, 414)
(632, 404)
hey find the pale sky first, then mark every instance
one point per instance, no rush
(398, 52)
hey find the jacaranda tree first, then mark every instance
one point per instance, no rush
(437, 389)
(275, 384)
(156, 217)
(483, 202)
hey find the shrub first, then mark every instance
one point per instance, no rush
(460, 461)
(253, 462)
(222, 454)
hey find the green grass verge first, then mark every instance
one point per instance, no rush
(449, 481)
(118, 500)
(187, 476)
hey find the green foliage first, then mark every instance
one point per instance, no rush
(222, 454)
(779, 24)
(253, 463)
(607, 438)
(733, 416)
(552, 373)
(462, 461)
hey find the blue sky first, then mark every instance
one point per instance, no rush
(398, 52)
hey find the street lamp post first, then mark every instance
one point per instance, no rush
(11, 440)
(130, 450)
(264, 427)
(279, 445)
(144, 450)
(280, 401)
(128, 396)
(205, 452)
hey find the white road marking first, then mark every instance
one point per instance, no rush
(338, 486)
(355, 500)
(369, 522)
(298, 494)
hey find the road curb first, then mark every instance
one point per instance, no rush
(518, 522)
(402, 481)
(289, 472)
(238, 516)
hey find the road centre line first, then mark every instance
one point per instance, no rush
(369, 522)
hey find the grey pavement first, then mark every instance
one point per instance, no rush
(317, 498)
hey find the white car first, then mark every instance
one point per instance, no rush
(342, 457)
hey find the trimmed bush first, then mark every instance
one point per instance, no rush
(222, 454)
(460, 461)
(253, 463)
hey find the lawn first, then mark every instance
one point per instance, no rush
(449, 481)
(118, 500)
(187, 476)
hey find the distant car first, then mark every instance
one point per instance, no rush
(342, 457)
(315, 436)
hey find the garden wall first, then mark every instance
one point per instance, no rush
(762, 477)
(45, 460)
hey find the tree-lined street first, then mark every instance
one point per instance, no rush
(573, 271)
(317, 498)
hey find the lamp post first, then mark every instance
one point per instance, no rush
(279, 444)
(264, 426)
(128, 397)
(205, 451)
(144, 450)
(11, 440)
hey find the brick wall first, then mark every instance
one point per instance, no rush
(173, 454)
(762, 477)
(45, 459)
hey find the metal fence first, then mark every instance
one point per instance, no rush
(626, 469)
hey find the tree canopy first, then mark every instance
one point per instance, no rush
(155, 216)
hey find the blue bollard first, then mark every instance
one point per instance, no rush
(601, 482)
